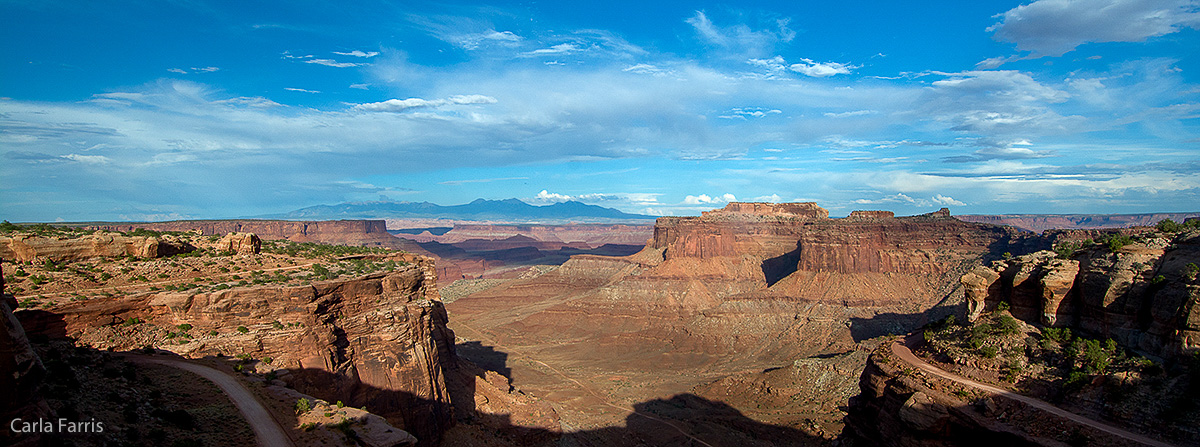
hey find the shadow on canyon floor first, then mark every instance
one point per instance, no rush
(682, 420)
(486, 357)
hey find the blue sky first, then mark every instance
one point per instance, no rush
(148, 110)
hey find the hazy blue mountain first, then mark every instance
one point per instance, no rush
(480, 209)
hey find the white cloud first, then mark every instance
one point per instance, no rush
(360, 86)
(562, 48)
(850, 113)
(746, 113)
(821, 69)
(947, 201)
(400, 105)
(359, 53)
(333, 63)
(1055, 27)
(177, 70)
(704, 199)
(205, 69)
(741, 40)
(87, 159)
(294, 89)
(549, 197)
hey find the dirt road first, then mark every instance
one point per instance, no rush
(266, 429)
(906, 355)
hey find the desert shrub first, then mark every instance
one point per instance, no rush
(1059, 335)
(1003, 306)
(308, 426)
(988, 351)
(1116, 241)
(1190, 271)
(1169, 226)
(1008, 325)
(132, 321)
(184, 327)
(243, 329)
(303, 405)
(276, 324)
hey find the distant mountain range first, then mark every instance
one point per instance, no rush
(512, 210)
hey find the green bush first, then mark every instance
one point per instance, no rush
(988, 351)
(303, 406)
(184, 327)
(1169, 226)
(1009, 325)
(1116, 241)
(243, 329)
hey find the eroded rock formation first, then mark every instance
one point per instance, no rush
(1143, 295)
(749, 286)
(378, 341)
(24, 247)
(21, 375)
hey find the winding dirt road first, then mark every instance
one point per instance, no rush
(266, 429)
(906, 355)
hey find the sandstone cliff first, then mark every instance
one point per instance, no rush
(750, 286)
(341, 232)
(378, 340)
(29, 247)
(1143, 295)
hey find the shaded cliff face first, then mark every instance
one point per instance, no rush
(1144, 295)
(378, 340)
(21, 374)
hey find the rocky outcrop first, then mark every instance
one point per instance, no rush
(378, 341)
(25, 247)
(21, 375)
(341, 232)
(900, 405)
(1143, 295)
(239, 243)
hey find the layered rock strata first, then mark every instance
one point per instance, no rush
(1143, 295)
(378, 341)
(25, 247)
(752, 285)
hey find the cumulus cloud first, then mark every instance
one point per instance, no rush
(1056, 27)
(400, 105)
(820, 69)
(705, 199)
(947, 201)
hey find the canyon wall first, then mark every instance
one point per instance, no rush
(378, 340)
(1144, 295)
(1042, 222)
(25, 247)
(21, 375)
(342, 232)
(591, 235)
(751, 284)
